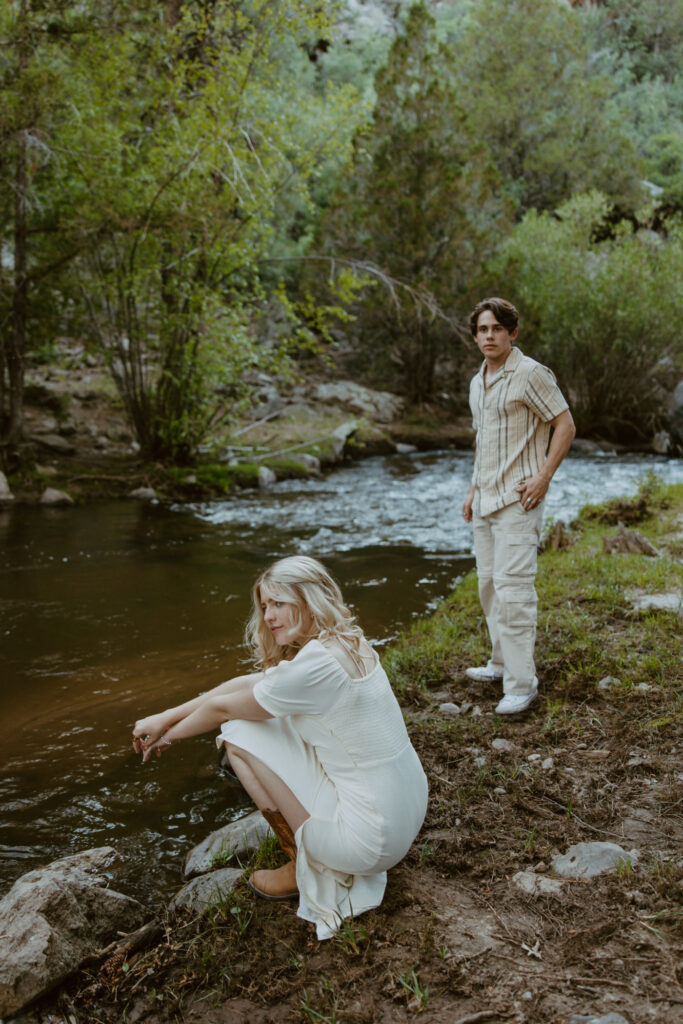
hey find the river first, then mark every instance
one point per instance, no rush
(111, 611)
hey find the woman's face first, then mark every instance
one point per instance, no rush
(280, 617)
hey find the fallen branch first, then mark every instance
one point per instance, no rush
(126, 944)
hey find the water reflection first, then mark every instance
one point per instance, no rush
(115, 610)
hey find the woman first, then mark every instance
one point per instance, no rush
(318, 741)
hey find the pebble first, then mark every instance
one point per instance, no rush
(480, 761)
(547, 764)
(608, 682)
(449, 708)
(534, 757)
(642, 687)
(476, 711)
(143, 494)
(500, 791)
(501, 744)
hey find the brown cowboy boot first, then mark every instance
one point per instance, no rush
(280, 883)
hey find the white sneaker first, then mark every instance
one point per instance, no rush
(513, 703)
(484, 674)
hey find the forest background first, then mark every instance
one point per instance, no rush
(203, 191)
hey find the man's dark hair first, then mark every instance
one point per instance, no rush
(504, 312)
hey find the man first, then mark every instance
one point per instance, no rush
(514, 401)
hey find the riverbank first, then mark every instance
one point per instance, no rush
(596, 758)
(80, 448)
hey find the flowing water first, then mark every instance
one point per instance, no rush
(115, 610)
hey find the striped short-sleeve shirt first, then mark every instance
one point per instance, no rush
(511, 416)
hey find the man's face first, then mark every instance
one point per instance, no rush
(494, 341)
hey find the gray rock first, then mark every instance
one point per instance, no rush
(502, 744)
(237, 839)
(642, 688)
(52, 918)
(530, 883)
(607, 1018)
(143, 494)
(449, 709)
(266, 478)
(480, 761)
(607, 682)
(672, 602)
(51, 496)
(661, 442)
(5, 492)
(586, 860)
(341, 436)
(206, 891)
(547, 764)
(311, 462)
(584, 447)
(405, 449)
(55, 443)
(376, 405)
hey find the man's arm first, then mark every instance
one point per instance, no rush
(469, 500)
(533, 490)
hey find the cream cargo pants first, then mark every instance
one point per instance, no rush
(505, 548)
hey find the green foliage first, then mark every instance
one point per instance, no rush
(593, 310)
(419, 204)
(524, 73)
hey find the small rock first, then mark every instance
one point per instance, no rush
(51, 496)
(607, 682)
(529, 883)
(465, 707)
(205, 891)
(143, 494)
(191, 478)
(5, 492)
(311, 462)
(499, 791)
(586, 860)
(480, 761)
(502, 744)
(476, 711)
(672, 602)
(584, 447)
(661, 442)
(341, 436)
(238, 839)
(449, 708)
(547, 764)
(55, 443)
(540, 867)
(642, 688)
(266, 478)
(405, 449)
(534, 757)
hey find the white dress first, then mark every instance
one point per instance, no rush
(342, 747)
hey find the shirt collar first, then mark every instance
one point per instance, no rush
(509, 366)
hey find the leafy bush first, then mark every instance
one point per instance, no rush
(601, 313)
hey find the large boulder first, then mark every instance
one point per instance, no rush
(376, 405)
(238, 839)
(53, 918)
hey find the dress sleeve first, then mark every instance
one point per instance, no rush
(542, 394)
(309, 684)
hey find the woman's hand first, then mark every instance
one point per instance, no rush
(148, 731)
(149, 747)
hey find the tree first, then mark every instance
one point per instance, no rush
(418, 203)
(523, 73)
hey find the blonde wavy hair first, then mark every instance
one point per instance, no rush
(306, 584)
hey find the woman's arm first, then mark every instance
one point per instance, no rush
(154, 726)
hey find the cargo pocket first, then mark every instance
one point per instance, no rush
(521, 552)
(519, 606)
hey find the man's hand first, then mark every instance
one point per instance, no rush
(532, 491)
(467, 505)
